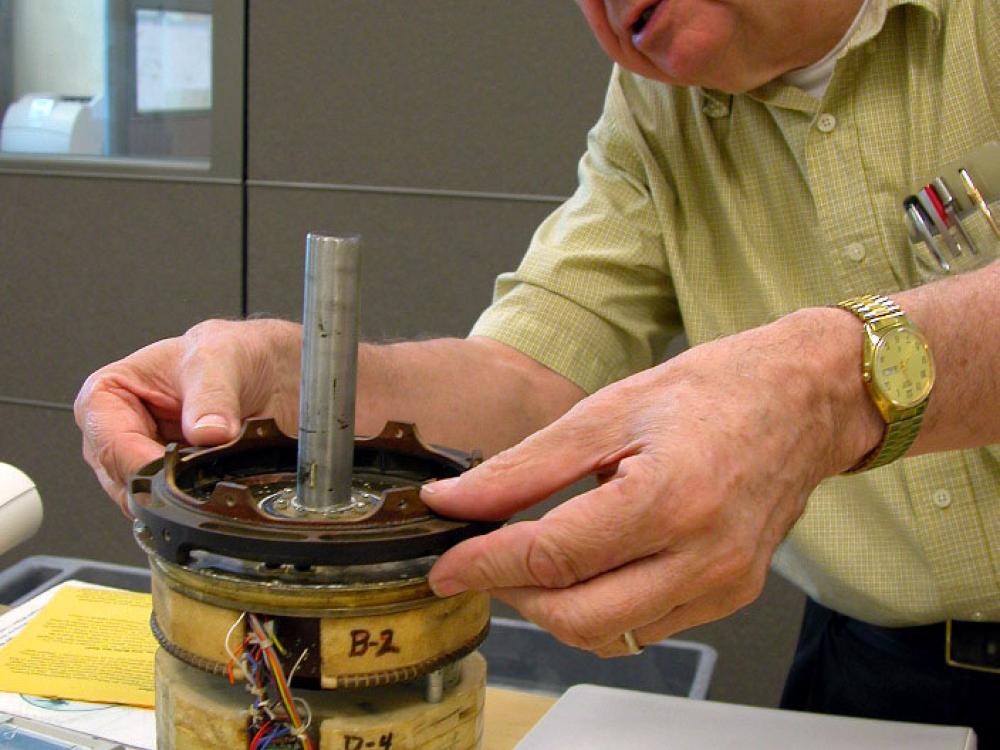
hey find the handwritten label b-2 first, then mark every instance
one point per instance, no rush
(362, 642)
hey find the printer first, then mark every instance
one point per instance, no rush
(43, 123)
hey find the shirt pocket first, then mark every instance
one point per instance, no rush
(974, 244)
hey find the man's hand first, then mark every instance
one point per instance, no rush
(195, 388)
(199, 387)
(705, 463)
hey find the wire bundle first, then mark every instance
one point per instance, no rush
(275, 722)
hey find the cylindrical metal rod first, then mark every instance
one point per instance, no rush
(434, 687)
(329, 373)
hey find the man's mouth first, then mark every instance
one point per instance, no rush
(640, 23)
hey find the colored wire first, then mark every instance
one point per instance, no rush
(262, 670)
(295, 667)
(229, 635)
(264, 675)
(279, 731)
(267, 644)
(255, 742)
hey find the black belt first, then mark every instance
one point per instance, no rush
(964, 644)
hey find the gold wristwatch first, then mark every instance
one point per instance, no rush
(898, 371)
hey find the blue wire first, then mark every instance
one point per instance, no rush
(278, 732)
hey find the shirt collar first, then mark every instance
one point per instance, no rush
(784, 95)
(872, 24)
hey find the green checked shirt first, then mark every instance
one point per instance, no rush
(711, 214)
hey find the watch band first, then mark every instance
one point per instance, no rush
(872, 307)
(878, 312)
(896, 440)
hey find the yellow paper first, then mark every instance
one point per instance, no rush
(85, 644)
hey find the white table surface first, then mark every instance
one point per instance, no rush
(588, 717)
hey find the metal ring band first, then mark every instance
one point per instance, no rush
(343, 681)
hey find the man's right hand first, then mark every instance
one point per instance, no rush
(196, 388)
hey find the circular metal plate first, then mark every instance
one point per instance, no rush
(234, 501)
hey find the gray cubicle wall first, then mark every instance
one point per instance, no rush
(90, 270)
(443, 130)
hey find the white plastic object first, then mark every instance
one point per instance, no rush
(20, 507)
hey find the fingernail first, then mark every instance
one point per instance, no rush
(441, 485)
(216, 421)
(447, 587)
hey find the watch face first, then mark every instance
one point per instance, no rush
(902, 367)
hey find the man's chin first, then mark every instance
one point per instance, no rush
(697, 73)
(680, 69)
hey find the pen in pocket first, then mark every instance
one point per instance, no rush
(948, 202)
(919, 222)
(977, 198)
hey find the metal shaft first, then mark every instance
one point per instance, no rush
(329, 373)
(434, 687)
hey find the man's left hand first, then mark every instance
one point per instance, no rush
(705, 462)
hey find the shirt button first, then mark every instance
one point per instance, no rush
(855, 251)
(716, 109)
(826, 122)
(941, 498)
(976, 617)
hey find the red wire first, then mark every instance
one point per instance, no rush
(260, 735)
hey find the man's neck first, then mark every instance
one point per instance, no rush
(814, 78)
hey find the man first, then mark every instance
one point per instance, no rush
(746, 175)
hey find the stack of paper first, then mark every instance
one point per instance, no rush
(70, 654)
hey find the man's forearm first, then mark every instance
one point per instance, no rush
(479, 394)
(469, 394)
(960, 317)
